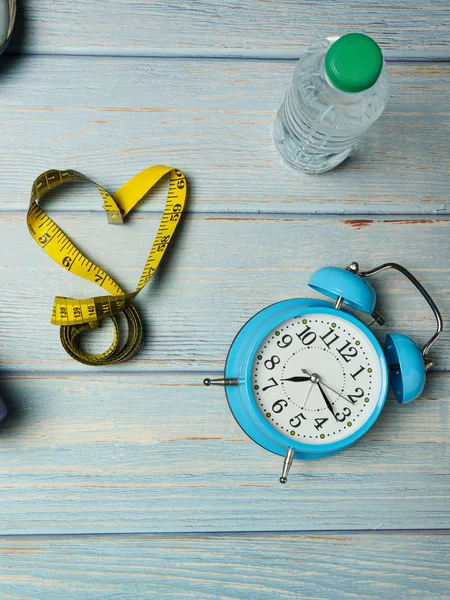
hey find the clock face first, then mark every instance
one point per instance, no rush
(316, 378)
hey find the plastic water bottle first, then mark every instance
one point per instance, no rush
(340, 87)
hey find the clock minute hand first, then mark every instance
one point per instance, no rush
(327, 402)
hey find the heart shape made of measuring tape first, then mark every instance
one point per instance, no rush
(77, 316)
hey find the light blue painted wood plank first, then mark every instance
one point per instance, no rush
(111, 118)
(220, 272)
(217, 28)
(127, 453)
(365, 567)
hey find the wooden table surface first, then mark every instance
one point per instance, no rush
(135, 481)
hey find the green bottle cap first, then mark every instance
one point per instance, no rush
(354, 62)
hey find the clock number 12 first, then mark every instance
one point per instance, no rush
(348, 352)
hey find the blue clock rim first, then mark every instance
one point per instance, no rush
(239, 364)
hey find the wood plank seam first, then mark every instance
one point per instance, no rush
(231, 534)
(200, 55)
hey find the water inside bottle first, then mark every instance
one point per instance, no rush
(318, 125)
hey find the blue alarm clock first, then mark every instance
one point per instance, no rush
(305, 378)
(7, 18)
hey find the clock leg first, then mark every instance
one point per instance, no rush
(222, 381)
(287, 465)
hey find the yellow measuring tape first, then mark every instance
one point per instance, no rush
(77, 316)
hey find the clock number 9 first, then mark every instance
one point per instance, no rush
(271, 363)
(346, 412)
(278, 406)
(285, 341)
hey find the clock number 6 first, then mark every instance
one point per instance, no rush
(278, 406)
(271, 363)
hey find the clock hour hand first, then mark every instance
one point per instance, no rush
(297, 379)
(327, 402)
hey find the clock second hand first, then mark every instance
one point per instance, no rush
(335, 392)
(330, 388)
(307, 395)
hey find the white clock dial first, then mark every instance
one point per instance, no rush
(316, 378)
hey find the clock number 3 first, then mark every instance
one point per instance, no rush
(346, 412)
